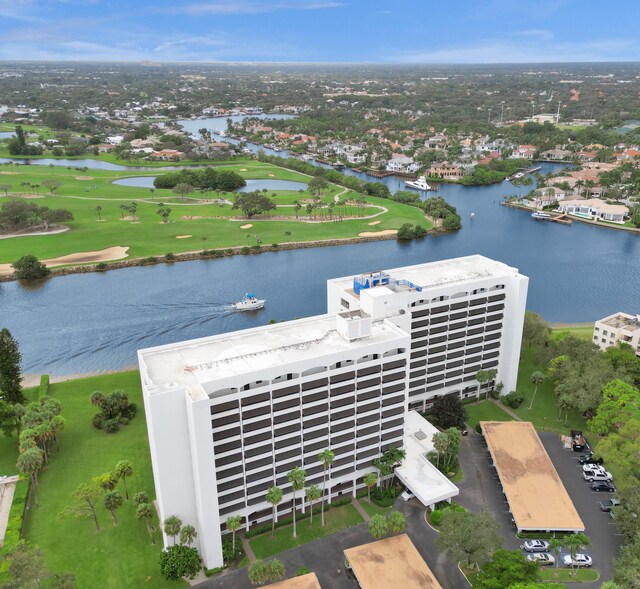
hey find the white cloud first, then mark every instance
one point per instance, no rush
(541, 34)
(234, 7)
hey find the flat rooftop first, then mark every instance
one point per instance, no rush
(629, 322)
(193, 363)
(392, 562)
(444, 273)
(309, 581)
(537, 498)
(428, 484)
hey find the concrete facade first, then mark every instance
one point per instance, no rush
(618, 328)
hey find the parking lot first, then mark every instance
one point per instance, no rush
(481, 490)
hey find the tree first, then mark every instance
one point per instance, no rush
(140, 497)
(326, 458)
(274, 496)
(10, 371)
(145, 511)
(9, 418)
(627, 566)
(620, 403)
(483, 377)
(30, 268)
(448, 411)
(253, 203)
(234, 522)
(28, 571)
(395, 522)
(275, 569)
(113, 501)
(506, 568)
(296, 477)
(188, 534)
(179, 561)
(575, 542)
(5, 188)
(535, 331)
(378, 526)
(472, 537)
(172, 526)
(123, 470)
(440, 442)
(258, 572)
(626, 514)
(555, 547)
(99, 211)
(536, 378)
(406, 232)
(183, 189)
(29, 463)
(313, 493)
(107, 481)
(386, 463)
(370, 479)
(52, 184)
(86, 500)
(317, 184)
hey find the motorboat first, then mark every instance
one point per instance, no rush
(249, 303)
(540, 216)
(419, 184)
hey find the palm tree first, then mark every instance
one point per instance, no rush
(140, 497)
(274, 496)
(233, 524)
(296, 477)
(123, 470)
(574, 542)
(112, 501)
(107, 482)
(172, 526)
(395, 522)
(326, 458)
(275, 569)
(99, 209)
(258, 572)
(188, 534)
(145, 511)
(378, 527)
(483, 376)
(564, 404)
(30, 462)
(536, 378)
(370, 479)
(313, 493)
(555, 546)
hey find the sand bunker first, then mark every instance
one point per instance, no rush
(183, 236)
(106, 255)
(25, 195)
(7, 173)
(271, 175)
(247, 226)
(375, 222)
(376, 233)
(243, 170)
(84, 177)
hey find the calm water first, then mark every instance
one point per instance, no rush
(147, 182)
(7, 134)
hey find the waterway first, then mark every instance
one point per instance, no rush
(91, 322)
(252, 185)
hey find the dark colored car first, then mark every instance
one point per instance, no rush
(578, 441)
(604, 486)
(609, 504)
(589, 459)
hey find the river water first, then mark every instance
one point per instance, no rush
(90, 322)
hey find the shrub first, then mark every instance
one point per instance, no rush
(245, 251)
(179, 561)
(228, 252)
(30, 268)
(169, 257)
(256, 248)
(16, 516)
(384, 497)
(211, 572)
(275, 245)
(111, 426)
(419, 231)
(302, 571)
(228, 554)
(406, 232)
(514, 399)
(43, 391)
(115, 410)
(435, 517)
(150, 260)
(101, 266)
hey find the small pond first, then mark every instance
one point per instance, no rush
(252, 185)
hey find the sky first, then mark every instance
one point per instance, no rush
(387, 31)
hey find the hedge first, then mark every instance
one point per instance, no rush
(43, 391)
(14, 525)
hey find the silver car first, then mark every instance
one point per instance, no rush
(542, 558)
(580, 560)
(535, 546)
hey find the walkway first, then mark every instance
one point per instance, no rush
(247, 548)
(506, 409)
(361, 511)
(7, 488)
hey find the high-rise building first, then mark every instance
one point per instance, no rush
(228, 416)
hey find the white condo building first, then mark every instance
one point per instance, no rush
(229, 415)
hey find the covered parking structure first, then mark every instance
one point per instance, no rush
(537, 498)
(308, 581)
(392, 562)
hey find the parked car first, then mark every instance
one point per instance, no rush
(578, 441)
(542, 558)
(596, 474)
(594, 467)
(407, 495)
(580, 560)
(605, 486)
(588, 458)
(609, 504)
(535, 546)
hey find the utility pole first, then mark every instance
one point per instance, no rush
(558, 114)
(501, 112)
(489, 119)
(533, 106)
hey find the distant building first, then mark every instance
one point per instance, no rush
(547, 196)
(618, 328)
(594, 208)
(446, 171)
(167, 155)
(402, 164)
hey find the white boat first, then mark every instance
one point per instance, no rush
(538, 215)
(419, 184)
(249, 303)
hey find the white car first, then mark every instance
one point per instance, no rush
(593, 467)
(535, 546)
(596, 475)
(580, 560)
(542, 558)
(407, 495)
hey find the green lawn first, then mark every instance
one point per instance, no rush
(373, 509)
(561, 575)
(336, 519)
(544, 413)
(121, 556)
(485, 411)
(583, 332)
(191, 216)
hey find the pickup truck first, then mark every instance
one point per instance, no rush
(578, 441)
(596, 475)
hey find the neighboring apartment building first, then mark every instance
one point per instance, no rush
(620, 327)
(229, 415)
(446, 171)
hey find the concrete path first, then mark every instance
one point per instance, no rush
(247, 548)
(361, 511)
(506, 409)
(7, 487)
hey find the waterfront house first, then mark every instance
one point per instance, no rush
(594, 208)
(400, 163)
(445, 171)
(547, 196)
(167, 155)
(525, 152)
(618, 328)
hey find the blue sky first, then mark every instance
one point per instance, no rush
(406, 31)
